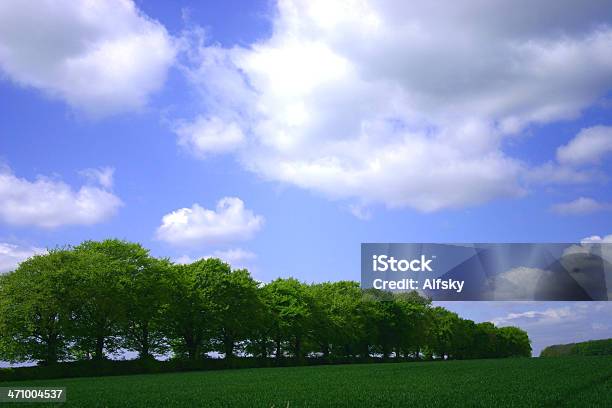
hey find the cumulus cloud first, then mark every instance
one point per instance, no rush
(209, 136)
(549, 316)
(103, 176)
(12, 255)
(589, 146)
(405, 104)
(234, 256)
(594, 239)
(580, 206)
(360, 212)
(554, 173)
(51, 203)
(101, 57)
(518, 283)
(230, 221)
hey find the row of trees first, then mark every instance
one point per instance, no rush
(98, 299)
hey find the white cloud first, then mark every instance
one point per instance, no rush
(554, 173)
(594, 239)
(235, 257)
(518, 283)
(405, 104)
(209, 136)
(589, 146)
(546, 317)
(361, 212)
(101, 57)
(12, 255)
(580, 206)
(50, 203)
(229, 222)
(103, 176)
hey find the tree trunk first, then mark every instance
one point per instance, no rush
(278, 349)
(51, 352)
(263, 350)
(193, 352)
(144, 346)
(228, 345)
(385, 352)
(298, 349)
(365, 352)
(326, 351)
(191, 345)
(99, 352)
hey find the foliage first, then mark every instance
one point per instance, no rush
(99, 298)
(36, 308)
(585, 348)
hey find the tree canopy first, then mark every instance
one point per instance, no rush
(101, 298)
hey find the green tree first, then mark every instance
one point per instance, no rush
(145, 295)
(100, 297)
(291, 308)
(96, 318)
(371, 317)
(36, 302)
(237, 304)
(260, 343)
(485, 340)
(411, 320)
(335, 323)
(192, 313)
(123, 298)
(513, 342)
(462, 341)
(440, 333)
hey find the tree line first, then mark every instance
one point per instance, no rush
(98, 299)
(601, 347)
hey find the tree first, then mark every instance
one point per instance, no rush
(122, 298)
(334, 328)
(264, 323)
(36, 305)
(101, 306)
(410, 323)
(291, 308)
(462, 341)
(98, 298)
(513, 342)
(440, 333)
(485, 340)
(145, 295)
(237, 304)
(192, 314)
(370, 318)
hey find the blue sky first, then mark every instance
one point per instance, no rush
(281, 136)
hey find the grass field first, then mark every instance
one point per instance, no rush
(564, 381)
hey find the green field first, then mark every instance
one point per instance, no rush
(569, 381)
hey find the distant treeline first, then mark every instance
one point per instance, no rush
(99, 299)
(585, 348)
